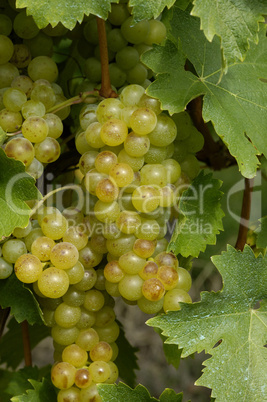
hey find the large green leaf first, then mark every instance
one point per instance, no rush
(68, 12)
(236, 22)
(200, 217)
(42, 392)
(237, 369)
(16, 187)
(11, 344)
(236, 102)
(21, 300)
(16, 382)
(122, 393)
(151, 9)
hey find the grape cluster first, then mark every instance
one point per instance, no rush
(27, 93)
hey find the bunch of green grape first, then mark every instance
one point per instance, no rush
(27, 92)
(133, 187)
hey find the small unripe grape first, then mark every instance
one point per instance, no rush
(64, 336)
(100, 371)
(145, 198)
(131, 263)
(101, 351)
(87, 319)
(155, 174)
(41, 248)
(67, 316)
(128, 222)
(94, 300)
(74, 297)
(63, 375)
(90, 394)
(172, 299)
(6, 268)
(20, 149)
(184, 279)
(105, 316)
(87, 339)
(130, 287)
(114, 132)
(28, 268)
(69, 395)
(120, 245)
(150, 307)
(54, 226)
(113, 272)
(109, 108)
(153, 289)
(136, 145)
(53, 282)
(64, 255)
(114, 373)
(122, 173)
(35, 129)
(164, 133)
(104, 161)
(88, 280)
(75, 355)
(12, 249)
(107, 190)
(109, 333)
(47, 151)
(143, 121)
(148, 230)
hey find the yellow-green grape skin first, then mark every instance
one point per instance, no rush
(109, 333)
(130, 287)
(101, 351)
(98, 244)
(114, 373)
(107, 211)
(67, 316)
(88, 280)
(53, 282)
(63, 375)
(41, 248)
(143, 121)
(71, 394)
(120, 245)
(114, 132)
(148, 230)
(155, 174)
(168, 276)
(74, 297)
(166, 197)
(156, 34)
(122, 174)
(33, 235)
(113, 272)
(94, 300)
(105, 160)
(109, 108)
(75, 273)
(22, 232)
(20, 149)
(90, 394)
(43, 67)
(105, 316)
(87, 319)
(128, 222)
(87, 161)
(35, 129)
(47, 151)
(135, 163)
(100, 371)
(164, 133)
(145, 198)
(92, 135)
(107, 190)
(112, 289)
(131, 263)
(54, 226)
(76, 236)
(136, 145)
(153, 289)
(87, 339)
(64, 255)
(150, 103)
(14, 99)
(28, 268)
(7, 49)
(55, 125)
(64, 336)
(150, 307)
(173, 298)
(184, 279)
(173, 169)
(12, 249)
(75, 355)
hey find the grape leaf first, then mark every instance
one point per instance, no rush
(16, 187)
(126, 366)
(230, 316)
(143, 10)
(42, 392)
(261, 241)
(172, 353)
(122, 393)
(200, 217)
(11, 344)
(2, 136)
(15, 382)
(220, 18)
(68, 12)
(234, 102)
(23, 304)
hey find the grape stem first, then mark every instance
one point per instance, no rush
(26, 343)
(245, 214)
(82, 97)
(106, 90)
(12, 134)
(75, 187)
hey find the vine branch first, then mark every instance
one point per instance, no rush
(106, 90)
(26, 343)
(245, 215)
